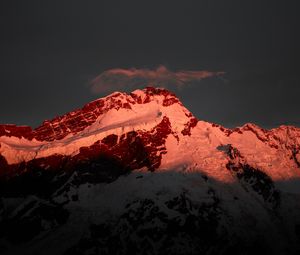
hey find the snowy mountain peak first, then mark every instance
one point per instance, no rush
(133, 167)
(147, 128)
(149, 115)
(78, 120)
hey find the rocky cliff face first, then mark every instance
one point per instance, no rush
(138, 173)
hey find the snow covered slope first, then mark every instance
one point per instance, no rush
(169, 133)
(139, 174)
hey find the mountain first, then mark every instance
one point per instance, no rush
(139, 174)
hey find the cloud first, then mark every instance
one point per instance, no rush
(129, 79)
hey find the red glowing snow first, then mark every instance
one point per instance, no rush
(147, 128)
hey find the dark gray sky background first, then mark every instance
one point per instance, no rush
(51, 50)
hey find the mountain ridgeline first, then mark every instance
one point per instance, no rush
(137, 173)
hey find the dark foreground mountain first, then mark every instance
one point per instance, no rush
(139, 174)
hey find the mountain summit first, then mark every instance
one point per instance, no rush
(132, 128)
(151, 121)
(140, 170)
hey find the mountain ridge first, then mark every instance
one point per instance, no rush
(158, 119)
(147, 177)
(26, 131)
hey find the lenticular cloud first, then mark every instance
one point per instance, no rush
(120, 79)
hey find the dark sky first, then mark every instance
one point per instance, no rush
(51, 50)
